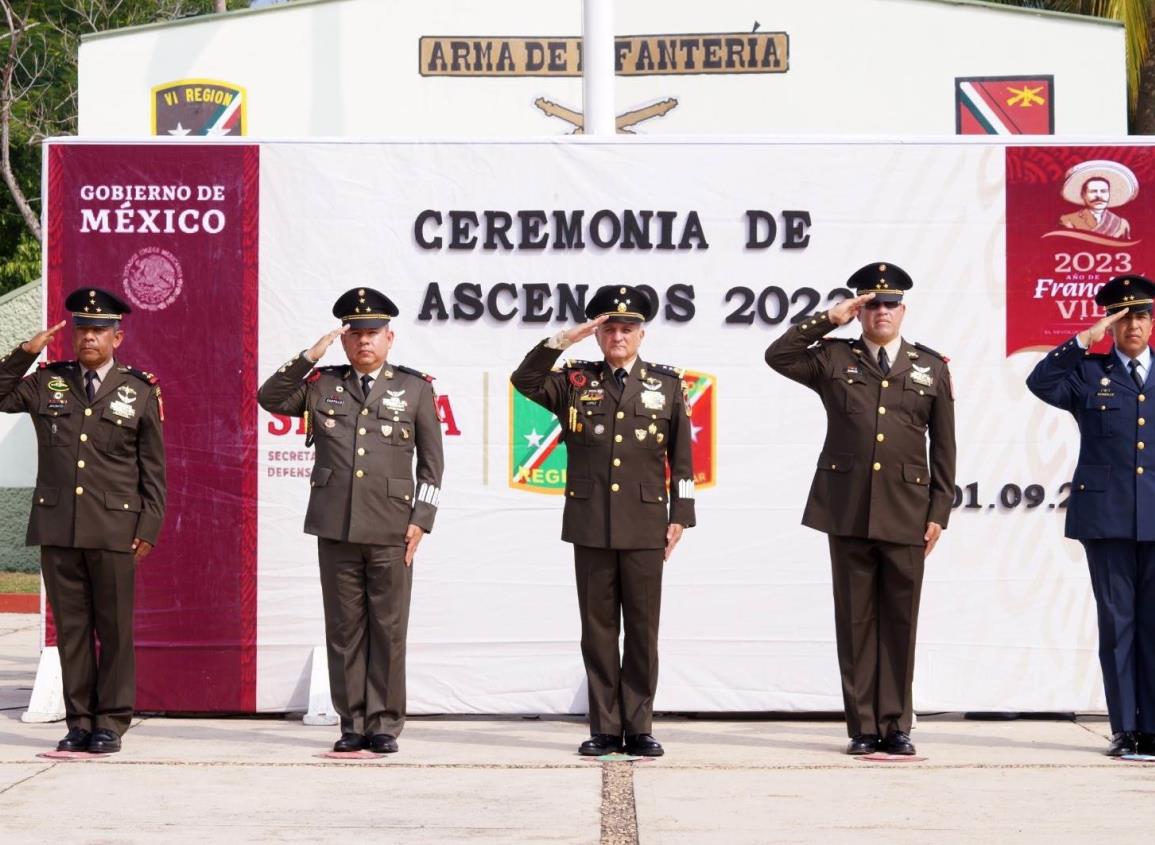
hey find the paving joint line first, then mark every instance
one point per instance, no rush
(12, 786)
(619, 808)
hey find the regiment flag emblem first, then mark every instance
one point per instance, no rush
(537, 456)
(199, 107)
(1004, 105)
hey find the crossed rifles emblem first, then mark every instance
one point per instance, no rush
(625, 122)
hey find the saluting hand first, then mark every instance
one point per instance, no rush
(848, 309)
(1089, 337)
(318, 349)
(584, 330)
(38, 341)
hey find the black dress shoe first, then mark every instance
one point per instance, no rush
(383, 744)
(1146, 743)
(862, 744)
(349, 742)
(600, 744)
(644, 745)
(75, 740)
(1125, 742)
(104, 741)
(898, 742)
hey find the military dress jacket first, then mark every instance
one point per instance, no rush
(873, 478)
(618, 444)
(100, 479)
(1113, 490)
(362, 487)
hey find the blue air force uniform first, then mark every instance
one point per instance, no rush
(1112, 505)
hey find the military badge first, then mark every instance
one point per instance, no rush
(394, 402)
(1104, 381)
(660, 437)
(125, 396)
(57, 385)
(592, 395)
(653, 400)
(652, 384)
(653, 429)
(922, 378)
(640, 433)
(329, 423)
(404, 434)
(578, 379)
(599, 429)
(339, 389)
(387, 430)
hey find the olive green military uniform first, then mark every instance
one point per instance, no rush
(617, 510)
(874, 491)
(362, 499)
(100, 484)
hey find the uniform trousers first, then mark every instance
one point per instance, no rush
(877, 587)
(365, 590)
(91, 592)
(615, 585)
(1123, 580)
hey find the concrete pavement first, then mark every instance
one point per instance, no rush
(519, 780)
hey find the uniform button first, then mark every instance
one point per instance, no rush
(81, 463)
(877, 466)
(364, 412)
(1139, 470)
(617, 438)
(331, 412)
(660, 498)
(621, 415)
(1142, 398)
(571, 492)
(41, 501)
(885, 383)
(922, 393)
(1142, 421)
(1082, 486)
(79, 491)
(397, 419)
(615, 487)
(361, 451)
(617, 462)
(361, 431)
(882, 410)
(360, 473)
(125, 505)
(88, 412)
(880, 437)
(1139, 444)
(834, 466)
(1102, 407)
(407, 497)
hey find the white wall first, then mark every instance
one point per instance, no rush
(350, 68)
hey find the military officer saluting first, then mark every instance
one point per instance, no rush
(369, 420)
(97, 508)
(623, 421)
(876, 496)
(1112, 505)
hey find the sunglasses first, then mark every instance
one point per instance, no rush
(874, 305)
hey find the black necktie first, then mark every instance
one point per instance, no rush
(1134, 365)
(620, 375)
(366, 381)
(90, 379)
(883, 360)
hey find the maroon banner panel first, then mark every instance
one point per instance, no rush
(1076, 217)
(172, 229)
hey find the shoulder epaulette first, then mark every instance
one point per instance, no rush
(574, 364)
(933, 352)
(337, 370)
(847, 340)
(413, 372)
(56, 365)
(666, 370)
(140, 374)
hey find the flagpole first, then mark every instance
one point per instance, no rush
(598, 67)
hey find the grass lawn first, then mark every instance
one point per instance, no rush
(19, 582)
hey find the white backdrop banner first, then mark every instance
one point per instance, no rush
(489, 247)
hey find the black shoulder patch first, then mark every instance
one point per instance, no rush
(847, 340)
(335, 369)
(57, 365)
(413, 372)
(930, 351)
(148, 378)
